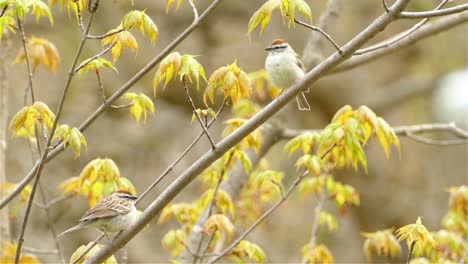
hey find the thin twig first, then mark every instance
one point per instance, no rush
(194, 108)
(325, 34)
(260, 220)
(410, 252)
(399, 130)
(4, 10)
(384, 3)
(51, 225)
(55, 201)
(26, 56)
(440, 25)
(86, 62)
(30, 77)
(400, 36)
(103, 95)
(88, 248)
(42, 160)
(194, 9)
(435, 142)
(211, 207)
(436, 13)
(123, 106)
(315, 223)
(182, 155)
(203, 255)
(40, 251)
(106, 35)
(80, 16)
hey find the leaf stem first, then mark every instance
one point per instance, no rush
(200, 121)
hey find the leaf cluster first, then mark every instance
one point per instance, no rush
(99, 178)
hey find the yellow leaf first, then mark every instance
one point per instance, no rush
(120, 41)
(220, 222)
(168, 68)
(41, 9)
(40, 51)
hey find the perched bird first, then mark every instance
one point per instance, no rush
(110, 215)
(284, 68)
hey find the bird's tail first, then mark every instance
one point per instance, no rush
(302, 102)
(77, 227)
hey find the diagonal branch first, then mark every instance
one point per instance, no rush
(325, 34)
(248, 127)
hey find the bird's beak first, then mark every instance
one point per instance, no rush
(268, 48)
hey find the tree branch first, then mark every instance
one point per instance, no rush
(313, 51)
(424, 32)
(248, 127)
(434, 13)
(399, 130)
(325, 34)
(398, 37)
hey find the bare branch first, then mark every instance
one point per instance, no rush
(325, 34)
(315, 223)
(194, 108)
(80, 17)
(398, 37)
(106, 35)
(50, 224)
(399, 130)
(83, 64)
(313, 51)
(253, 123)
(436, 13)
(194, 10)
(40, 251)
(88, 248)
(425, 31)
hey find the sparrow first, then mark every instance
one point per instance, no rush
(111, 215)
(284, 68)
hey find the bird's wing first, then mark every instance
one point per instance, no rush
(106, 208)
(301, 65)
(299, 62)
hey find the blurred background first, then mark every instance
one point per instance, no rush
(393, 193)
